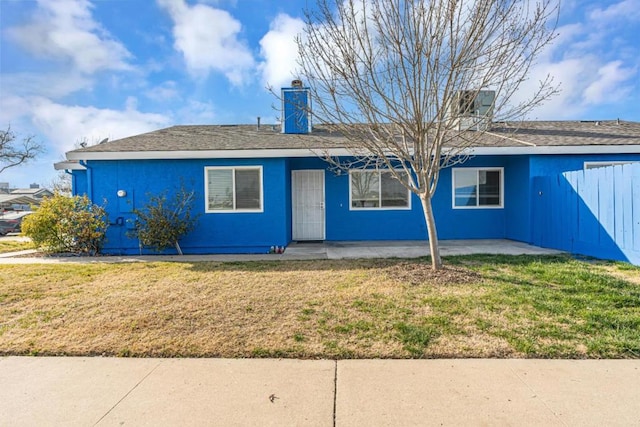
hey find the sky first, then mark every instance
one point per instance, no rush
(85, 70)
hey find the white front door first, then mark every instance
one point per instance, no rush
(307, 202)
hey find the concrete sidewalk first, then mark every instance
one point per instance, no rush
(266, 392)
(309, 251)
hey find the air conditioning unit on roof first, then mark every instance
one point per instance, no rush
(473, 109)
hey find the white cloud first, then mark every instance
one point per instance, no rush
(279, 49)
(49, 85)
(65, 30)
(13, 109)
(163, 92)
(64, 125)
(196, 112)
(569, 73)
(624, 10)
(208, 39)
(61, 127)
(566, 34)
(584, 83)
(581, 60)
(610, 83)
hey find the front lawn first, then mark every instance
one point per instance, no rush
(479, 306)
(7, 246)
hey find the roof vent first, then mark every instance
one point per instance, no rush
(473, 109)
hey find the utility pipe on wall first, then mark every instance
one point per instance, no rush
(89, 180)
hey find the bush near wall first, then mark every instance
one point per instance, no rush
(162, 222)
(67, 224)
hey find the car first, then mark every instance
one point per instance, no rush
(10, 222)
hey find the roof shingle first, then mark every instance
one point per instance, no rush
(249, 137)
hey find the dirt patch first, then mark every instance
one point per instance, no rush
(422, 273)
(628, 275)
(474, 345)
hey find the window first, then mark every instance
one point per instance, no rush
(233, 189)
(477, 188)
(593, 165)
(377, 190)
(466, 102)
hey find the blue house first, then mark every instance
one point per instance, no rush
(258, 186)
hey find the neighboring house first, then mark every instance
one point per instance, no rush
(35, 192)
(260, 186)
(16, 202)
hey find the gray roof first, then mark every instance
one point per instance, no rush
(218, 137)
(571, 133)
(249, 137)
(18, 199)
(32, 191)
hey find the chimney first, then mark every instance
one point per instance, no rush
(296, 109)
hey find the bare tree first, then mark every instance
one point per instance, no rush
(61, 184)
(13, 153)
(395, 76)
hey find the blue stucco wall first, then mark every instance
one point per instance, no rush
(478, 223)
(287, 200)
(257, 232)
(517, 198)
(556, 164)
(345, 224)
(215, 232)
(79, 182)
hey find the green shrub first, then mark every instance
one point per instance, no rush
(67, 224)
(161, 222)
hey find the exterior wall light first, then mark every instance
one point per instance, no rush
(122, 193)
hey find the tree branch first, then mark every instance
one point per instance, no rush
(13, 153)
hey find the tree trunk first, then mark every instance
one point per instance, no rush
(178, 248)
(436, 261)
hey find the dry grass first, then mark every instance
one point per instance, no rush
(14, 246)
(619, 270)
(307, 309)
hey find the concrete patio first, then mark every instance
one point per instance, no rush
(313, 250)
(413, 248)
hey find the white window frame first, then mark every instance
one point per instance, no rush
(233, 183)
(602, 164)
(477, 170)
(378, 208)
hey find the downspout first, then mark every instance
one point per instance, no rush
(89, 180)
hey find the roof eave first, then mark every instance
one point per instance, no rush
(557, 149)
(203, 154)
(75, 156)
(71, 165)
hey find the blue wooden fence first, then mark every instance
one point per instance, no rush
(593, 212)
